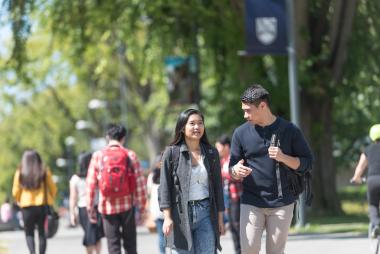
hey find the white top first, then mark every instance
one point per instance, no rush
(198, 182)
(80, 187)
(154, 208)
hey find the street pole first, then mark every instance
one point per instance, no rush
(123, 85)
(294, 96)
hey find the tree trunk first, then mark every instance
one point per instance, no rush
(153, 139)
(317, 102)
(317, 117)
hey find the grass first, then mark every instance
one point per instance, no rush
(354, 218)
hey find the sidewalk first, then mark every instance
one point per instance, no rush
(69, 240)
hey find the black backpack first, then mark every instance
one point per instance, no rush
(298, 182)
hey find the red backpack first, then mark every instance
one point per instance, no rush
(117, 176)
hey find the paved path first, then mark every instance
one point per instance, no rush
(68, 241)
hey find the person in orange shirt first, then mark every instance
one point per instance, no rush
(29, 183)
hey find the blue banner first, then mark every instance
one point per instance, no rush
(265, 26)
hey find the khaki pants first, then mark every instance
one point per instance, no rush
(276, 222)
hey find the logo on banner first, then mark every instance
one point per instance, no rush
(266, 29)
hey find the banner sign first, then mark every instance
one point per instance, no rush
(265, 26)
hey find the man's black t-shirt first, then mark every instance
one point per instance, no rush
(251, 143)
(372, 152)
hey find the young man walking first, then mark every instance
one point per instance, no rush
(267, 201)
(232, 189)
(116, 172)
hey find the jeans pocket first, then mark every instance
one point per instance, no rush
(204, 206)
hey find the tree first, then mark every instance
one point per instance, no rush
(327, 31)
(115, 51)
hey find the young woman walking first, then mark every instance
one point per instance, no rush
(191, 192)
(31, 181)
(93, 232)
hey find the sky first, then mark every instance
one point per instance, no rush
(5, 34)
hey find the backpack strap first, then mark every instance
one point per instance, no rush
(132, 168)
(174, 158)
(130, 164)
(45, 190)
(174, 161)
(275, 141)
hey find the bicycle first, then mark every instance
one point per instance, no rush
(374, 242)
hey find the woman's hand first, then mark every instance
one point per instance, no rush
(221, 227)
(73, 220)
(167, 227)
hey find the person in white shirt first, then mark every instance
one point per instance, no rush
(153, 182)
(93, 232)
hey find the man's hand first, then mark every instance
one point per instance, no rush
(275, 153)
(140, 217)
(240, 171)
(356, 180)
(92, 215)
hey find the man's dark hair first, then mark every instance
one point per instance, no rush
(116, 131)
(224, 140)
(254, 95)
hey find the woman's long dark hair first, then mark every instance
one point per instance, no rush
(32, 172)
(84, 160)
(179, 135)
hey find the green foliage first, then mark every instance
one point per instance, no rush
(66, 53)
(358, 103)
(113, 51)
(354, 218)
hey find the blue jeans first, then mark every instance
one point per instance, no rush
(161, 238)
(202, 231)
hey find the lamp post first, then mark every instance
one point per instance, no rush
(69, 142)
(83, 125)
(96, 104)
(96, 143)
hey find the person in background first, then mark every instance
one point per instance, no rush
(370, 159)
(93, 232)
(267, 201)
(155, 213)
(31, 181)
(118, 212)
(232, 189)
(191, 193)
